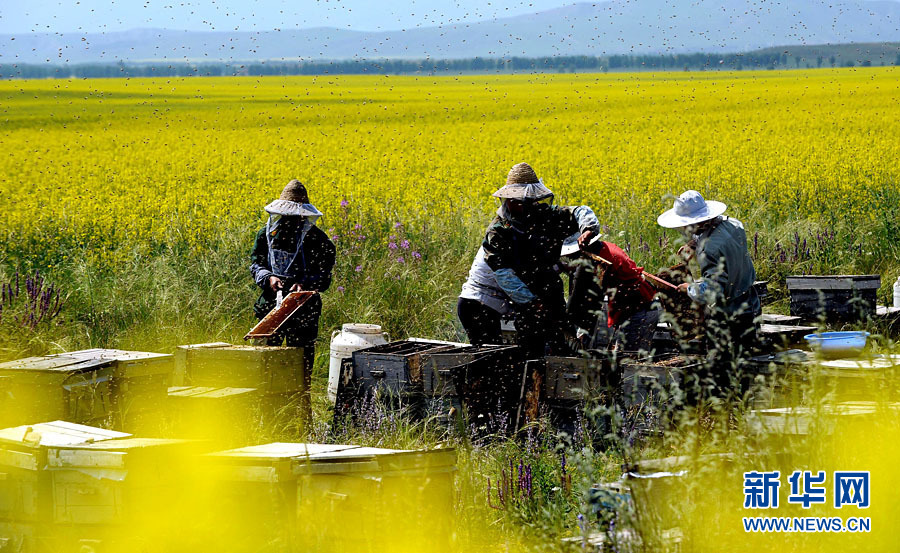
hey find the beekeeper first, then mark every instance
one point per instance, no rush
(725, 285)
(292, 254)
(521, 248)
(631, 314)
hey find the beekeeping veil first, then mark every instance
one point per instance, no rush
(290, 218)
(522, 184)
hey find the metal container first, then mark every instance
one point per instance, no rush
(344, 342)
(837, 298)
(96, 386)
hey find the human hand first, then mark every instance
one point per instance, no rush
(683, 287)
(585, 238)
(296, 288)
(275, 283)
(687, 251)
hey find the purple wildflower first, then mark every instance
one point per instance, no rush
(398, 224)
(416, 255)
(359, 268)
(357, 226)
(340, 289)
(344, 202)
(404, 244)
(392, 245)
(401, 260)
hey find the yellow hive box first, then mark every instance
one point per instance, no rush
(25, 484)
(97, 386)
(226, 415)
(133, 481)
(272, 370)
(373, 499)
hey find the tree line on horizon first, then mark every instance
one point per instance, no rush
(768, 59)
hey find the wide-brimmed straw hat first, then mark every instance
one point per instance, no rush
(690, 208)
(522, 184)
(294, 200)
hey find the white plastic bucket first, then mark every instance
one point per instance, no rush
(351, 337)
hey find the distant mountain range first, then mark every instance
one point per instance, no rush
(639, 27)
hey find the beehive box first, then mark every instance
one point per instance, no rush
(397, 500)
(654, 379)
(254, 489)
(396, 368)
(837, 298)
(228, 414)
(128, 481)
(25, 484)
(865, 378)
(577, 379)
(272, 370)
(448, 369)
(777, 379)
(99, 386)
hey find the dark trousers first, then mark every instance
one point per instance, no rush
(481, 323)
(301, 331)
(730, 341)
(540, 332)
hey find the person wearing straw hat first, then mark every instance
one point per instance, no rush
(521, 248)
(291, 254)
(725, 287)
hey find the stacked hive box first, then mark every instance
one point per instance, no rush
(330, 498)
(26, 486)
(226, 414)
(98, 386)
(277, 372)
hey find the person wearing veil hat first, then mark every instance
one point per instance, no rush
(725, 287)
(521, 249)
(292, 254)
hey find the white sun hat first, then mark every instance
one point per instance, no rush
(522, 184)
(690, 208)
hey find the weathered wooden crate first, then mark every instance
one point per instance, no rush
(652, 380)
(447, 370)
(269, 369)
(121, 481)
(860, 379)
(222, 414)
(98, 386)
(255, 489)
(577, 379)
(25, 483)
(776, 379)
(396, 368)
(397, 499)
(837, 298)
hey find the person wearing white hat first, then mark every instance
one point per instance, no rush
(521, 250)
(725, 288)
(290, 254)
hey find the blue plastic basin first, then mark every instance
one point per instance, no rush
(838, 342)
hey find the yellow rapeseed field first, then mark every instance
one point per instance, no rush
(101, 164)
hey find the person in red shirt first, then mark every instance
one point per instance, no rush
(631, 314)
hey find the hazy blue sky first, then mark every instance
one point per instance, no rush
(17, 16)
